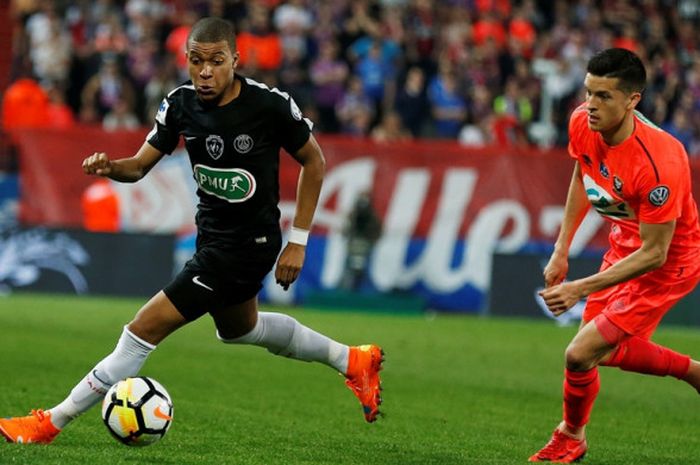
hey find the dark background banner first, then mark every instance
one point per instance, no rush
(80, 262)
(516, 279)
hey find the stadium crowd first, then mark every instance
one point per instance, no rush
(481, 71)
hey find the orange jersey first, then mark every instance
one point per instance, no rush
(645, 179)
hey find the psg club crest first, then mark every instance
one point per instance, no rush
(604, 170)
(659, 195)
(243, 143)
(215, 146)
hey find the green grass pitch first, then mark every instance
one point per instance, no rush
(457, 390)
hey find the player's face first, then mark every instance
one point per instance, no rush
(211, 66)
(607, 105)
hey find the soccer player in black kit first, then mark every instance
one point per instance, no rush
(233, 129)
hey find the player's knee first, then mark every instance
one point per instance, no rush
(238, 336)
(578, 358)
(228, 339)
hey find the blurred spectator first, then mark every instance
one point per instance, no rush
(448, 107)
(293, 21)
(680, 128)
(293, 76)
(488, 27)
(522, 31)
(328, 74)
(58, 113)
(375, 72)
(142, 62)
(110, 37)
(359, 23)
(259, 45)
(51, 51)
(121, 117)
(421, 27)
(295, 15)
(355, 110)
(176, 42)
(628, 39)
(412, 102)
(326, 22)
(164, 81)
(474, 134)
(104, 90)
(24, 105)
(390, 129)
(480, 102)
(513, 111)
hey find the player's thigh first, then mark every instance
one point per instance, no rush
(156, 319)
(639, 304)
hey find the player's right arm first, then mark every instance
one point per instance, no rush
(123, 169)
(577, 206)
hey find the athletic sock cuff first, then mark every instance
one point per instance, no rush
(581, 378)
(679, 366)
(138, 340)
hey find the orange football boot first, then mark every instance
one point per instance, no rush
(35, 428)
(562, 448)
(363, 377)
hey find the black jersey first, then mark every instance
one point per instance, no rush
(234, 152)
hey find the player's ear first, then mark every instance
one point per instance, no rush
(236, 57)
(634, 99)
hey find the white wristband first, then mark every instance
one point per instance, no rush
(298, 236)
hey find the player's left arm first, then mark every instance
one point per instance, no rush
(656, 239)
(313, 167)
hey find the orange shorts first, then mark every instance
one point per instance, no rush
(638, 305)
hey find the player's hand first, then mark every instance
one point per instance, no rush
(556, 269)
(98, 163)
(289, 264)
(561, 297)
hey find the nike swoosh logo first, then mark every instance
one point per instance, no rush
(190, 137)
(200, 283)
(160, 414)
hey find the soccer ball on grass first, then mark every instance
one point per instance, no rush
(137, 411)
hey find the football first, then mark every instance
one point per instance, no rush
(137, 411)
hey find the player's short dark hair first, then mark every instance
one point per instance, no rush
(210, 30)
(622, 64)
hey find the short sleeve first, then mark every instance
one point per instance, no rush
(295, 130)
(165, 135)
(662, 189)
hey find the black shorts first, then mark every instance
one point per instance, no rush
(223, 273)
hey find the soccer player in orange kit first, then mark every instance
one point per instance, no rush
(638, 178)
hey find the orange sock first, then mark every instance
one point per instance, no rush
(643, 356)
(580, 391)
(640, 355)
